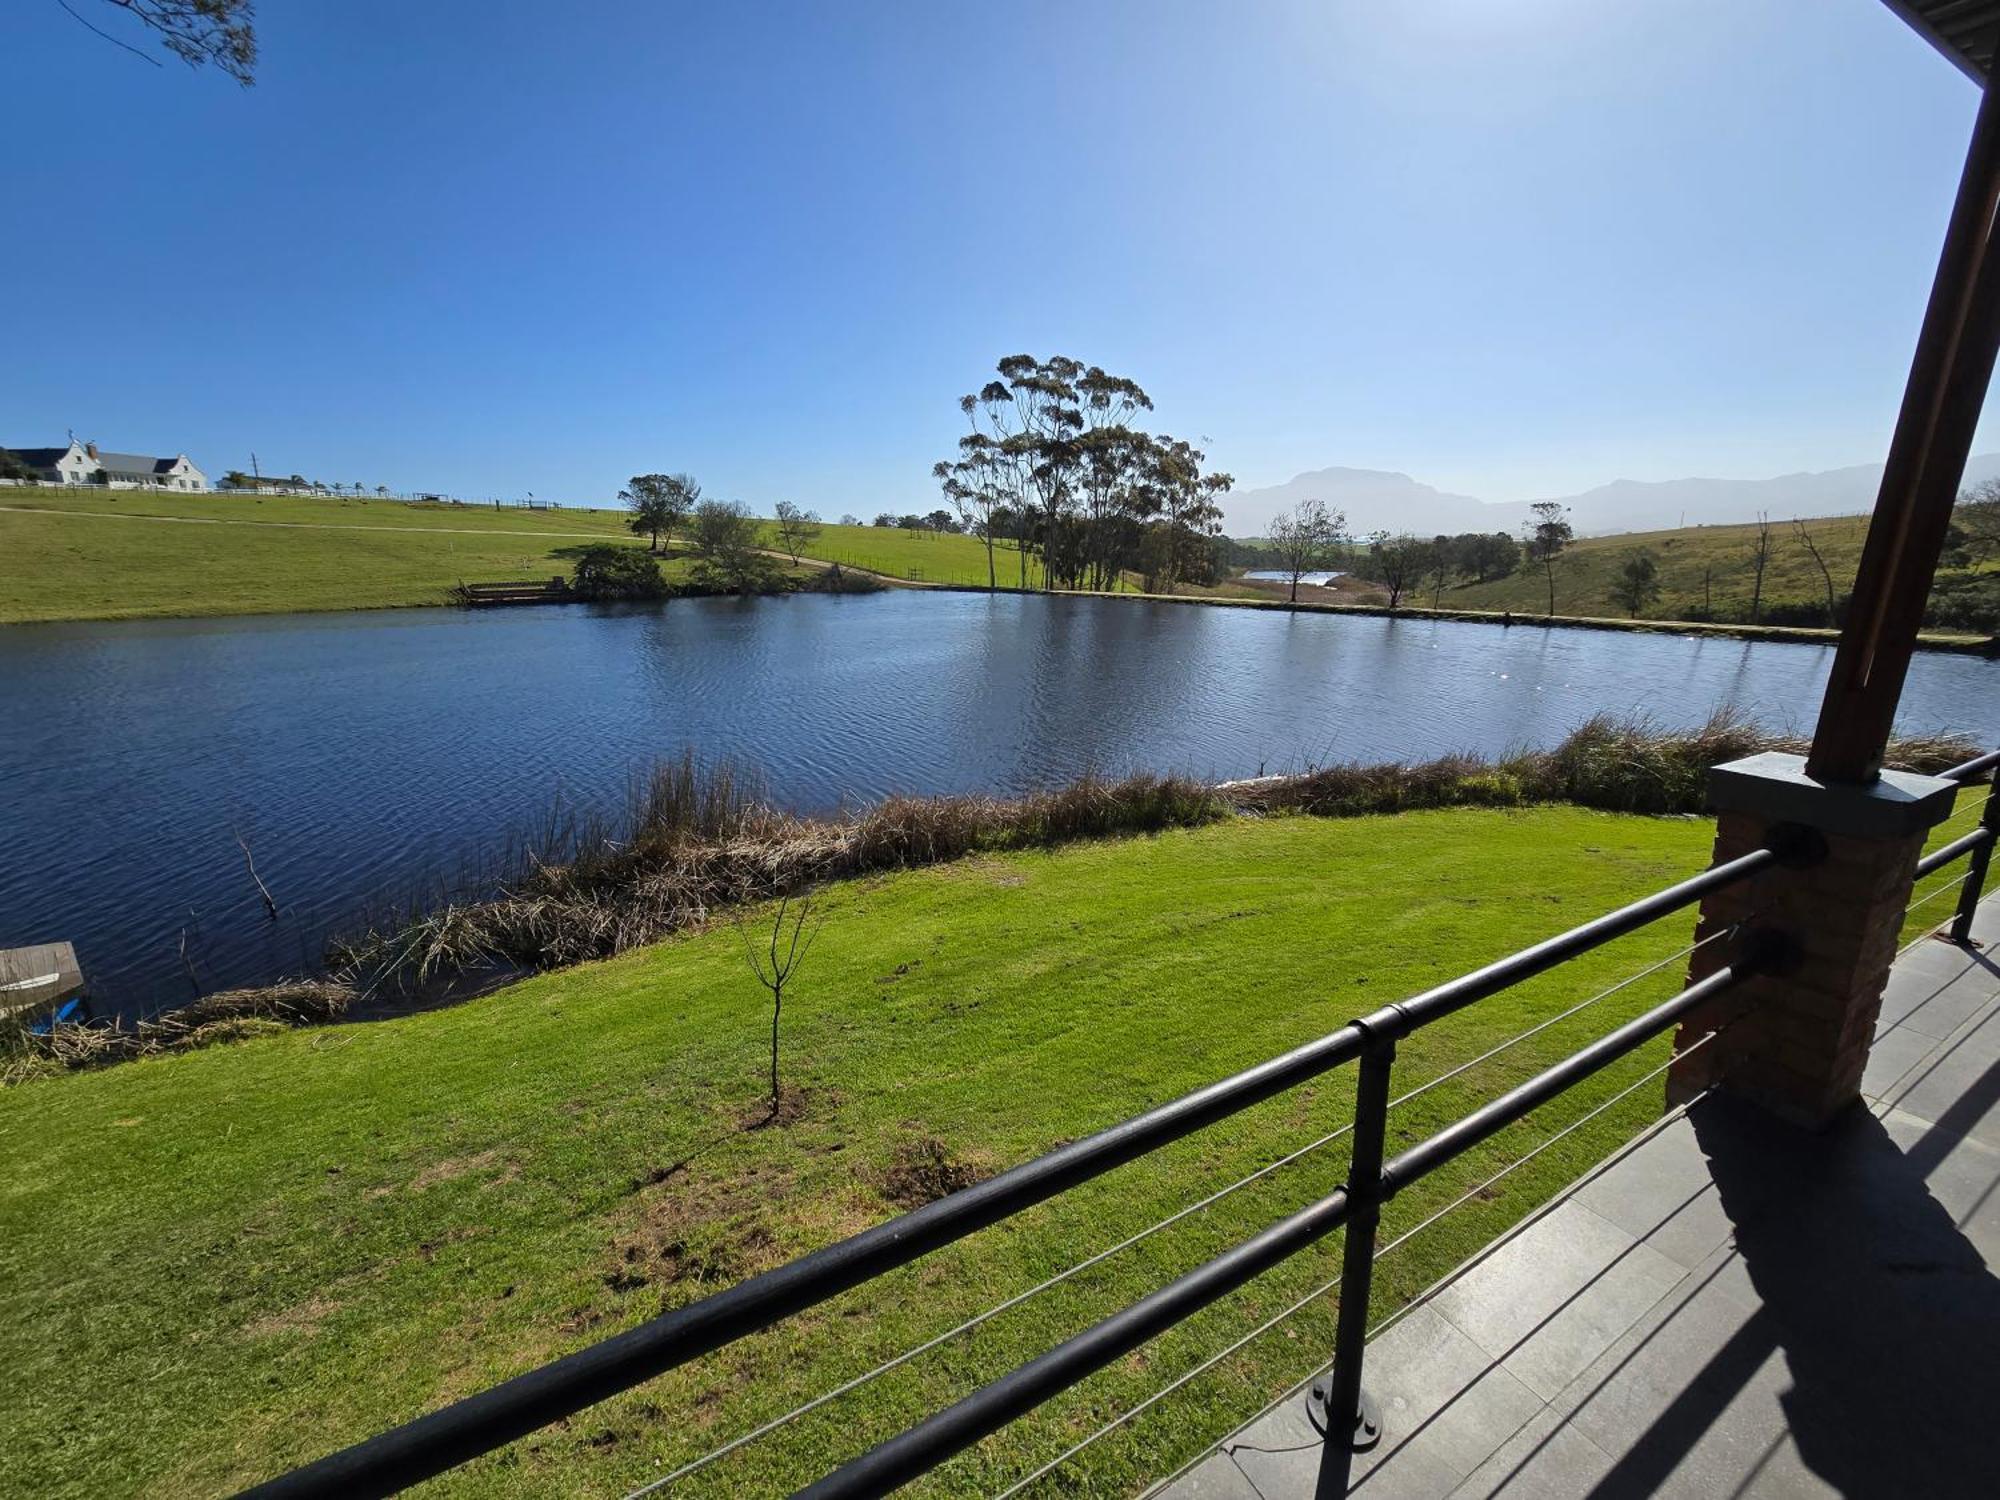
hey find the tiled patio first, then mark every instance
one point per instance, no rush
(1733, 1309)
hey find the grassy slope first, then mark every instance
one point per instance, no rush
(921, 556)
(223, 1263)
(78, 556)
(1585, 575)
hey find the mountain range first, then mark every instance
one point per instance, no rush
(1380, 500)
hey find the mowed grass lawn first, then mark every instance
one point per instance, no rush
(920, 556)
(86, 555)
(221, 1264)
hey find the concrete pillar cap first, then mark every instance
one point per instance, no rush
(1775, 785)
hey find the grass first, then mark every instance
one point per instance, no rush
(1934, 898)
(83, 555)
(224, 1262)
(922, 556)
(120, 554)
(96, 555)
(1586, 572)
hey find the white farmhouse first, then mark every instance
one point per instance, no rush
(85, 463)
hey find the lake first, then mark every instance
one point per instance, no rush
(1320, 576)
(361, 756)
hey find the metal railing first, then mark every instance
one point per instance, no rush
(1978, 844)
(431, 1444)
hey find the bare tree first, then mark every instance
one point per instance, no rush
(797, 529)
(1303, 536)
(779, 960)
(1805, 536)
(1760, 559)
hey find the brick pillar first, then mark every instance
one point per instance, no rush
(1800, 1038)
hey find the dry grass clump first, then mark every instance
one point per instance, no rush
(703, 838)
(1620, 765)
(227, 1016)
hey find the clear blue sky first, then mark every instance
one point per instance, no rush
(1513, 249)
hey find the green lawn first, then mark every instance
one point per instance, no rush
(223, 1263)
(89, 555)
(920, 556)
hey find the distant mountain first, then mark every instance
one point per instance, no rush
(1379, 500)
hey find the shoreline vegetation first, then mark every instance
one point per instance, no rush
(699, 843)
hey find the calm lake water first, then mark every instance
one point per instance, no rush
(362, 756)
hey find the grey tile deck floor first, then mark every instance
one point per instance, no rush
(1733, 1309)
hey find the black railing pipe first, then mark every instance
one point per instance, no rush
(1405, 1016)
(429, 1445)
(1967, 843)
(1490, 1118)
(1973, 767)
(988, 1409)
(1975, 875)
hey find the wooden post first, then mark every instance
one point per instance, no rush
(1941, 406)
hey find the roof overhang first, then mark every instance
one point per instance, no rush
(1963, 30)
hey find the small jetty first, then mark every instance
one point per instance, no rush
(533, 591)
(41, 980)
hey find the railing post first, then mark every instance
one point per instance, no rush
(1343, 1408)
(1975, 871)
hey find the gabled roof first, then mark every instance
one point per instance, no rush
(134, 463)
(39, 458)
(1963, 30)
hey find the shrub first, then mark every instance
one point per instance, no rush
(617, 573)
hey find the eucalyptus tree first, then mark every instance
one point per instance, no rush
(1113, 458)
(219, 33)
(1189, 509)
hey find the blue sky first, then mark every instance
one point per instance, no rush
(1512, 247)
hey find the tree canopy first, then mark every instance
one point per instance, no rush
(201, 33)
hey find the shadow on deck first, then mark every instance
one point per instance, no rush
(1735, 1308)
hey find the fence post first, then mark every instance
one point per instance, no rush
(1975, 872)
(1350, 1424)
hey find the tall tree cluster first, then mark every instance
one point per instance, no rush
(1054, 465)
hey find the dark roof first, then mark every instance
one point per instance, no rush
(39, 458)
(1963, 30)
(134, 463)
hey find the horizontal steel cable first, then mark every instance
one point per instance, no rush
(896, 1362)
(1321, 1290)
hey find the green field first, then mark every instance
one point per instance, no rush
(223, 1263)
(1700, 564)
(92, 555)
(919, 556)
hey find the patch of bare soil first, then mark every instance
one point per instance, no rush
(926, 1169)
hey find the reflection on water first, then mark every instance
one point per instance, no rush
(362, 754)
